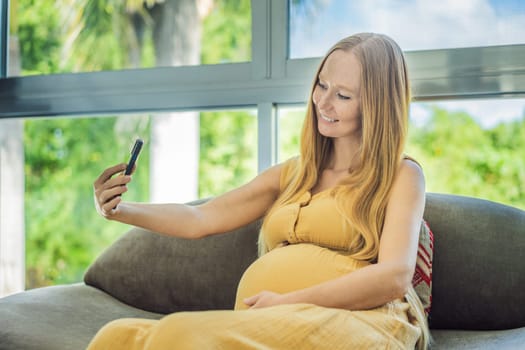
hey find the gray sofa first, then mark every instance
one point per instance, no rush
(478, 281)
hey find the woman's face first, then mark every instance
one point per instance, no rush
(336, 96)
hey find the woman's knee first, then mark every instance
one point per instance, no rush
(183, 329)
(126, 333)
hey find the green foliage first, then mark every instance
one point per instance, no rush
(103, 36)
(227, 33)
(228, 151)
(64, 234)
(460, 157)
(39, 36)
(96, 31)
(228, 145)
(63, 158)
(290, 125)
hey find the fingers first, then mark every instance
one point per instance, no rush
(106, 180)
(263, 299)
(106, 200)
(109, 208)
(250, 301)
(109, 189)
(108, 174)
(110, 194)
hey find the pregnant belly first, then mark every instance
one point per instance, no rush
(293, 267)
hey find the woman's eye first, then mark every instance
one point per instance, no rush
(321, 85)
(343, 97)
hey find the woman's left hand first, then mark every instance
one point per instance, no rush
(264, 299)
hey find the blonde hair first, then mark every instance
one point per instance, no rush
(362, 196)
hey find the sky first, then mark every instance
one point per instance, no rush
(488, 113)
(419, 25)
(414, 24)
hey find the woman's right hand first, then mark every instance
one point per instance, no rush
(108, 190)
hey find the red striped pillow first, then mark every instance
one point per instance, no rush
(422, 280)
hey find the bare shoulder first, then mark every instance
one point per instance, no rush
(410, 171)
(409, 182)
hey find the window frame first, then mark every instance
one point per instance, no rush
(4, 37)
(270, 79)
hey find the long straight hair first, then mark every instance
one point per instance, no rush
(362, 196)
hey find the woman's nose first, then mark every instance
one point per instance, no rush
(323, 100)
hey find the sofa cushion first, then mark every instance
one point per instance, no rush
(59, 318)
(166, 274)
(477, 272)
(510, 339)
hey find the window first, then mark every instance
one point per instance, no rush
(197, 155)
(471, 147)
(466, 147)
(414, 24)
(248, 82)
(50, 36)
(290, 125)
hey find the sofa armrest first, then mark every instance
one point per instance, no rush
(478, 273)
(59, 318)
(167, 274)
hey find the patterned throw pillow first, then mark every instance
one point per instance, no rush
(422, 280)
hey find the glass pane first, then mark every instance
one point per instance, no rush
(228, 150)
(466, 147)
(49, 36)
(63, 157)
(415, 24)
(471, 147)
(206, 154)
(290, 126)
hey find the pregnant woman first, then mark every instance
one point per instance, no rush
(339, 239)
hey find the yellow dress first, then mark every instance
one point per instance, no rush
(315, 253)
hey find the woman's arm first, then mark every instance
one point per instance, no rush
(221, 214)
(391, 277)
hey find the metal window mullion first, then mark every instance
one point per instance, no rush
(267, 131)
(261, 38)
(270, 38)
(4, 37)
(278, 38)
(266, 67)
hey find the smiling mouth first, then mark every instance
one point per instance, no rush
(330, 120)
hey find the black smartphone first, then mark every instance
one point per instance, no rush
(134, 155)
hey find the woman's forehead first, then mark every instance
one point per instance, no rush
(343, 69)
